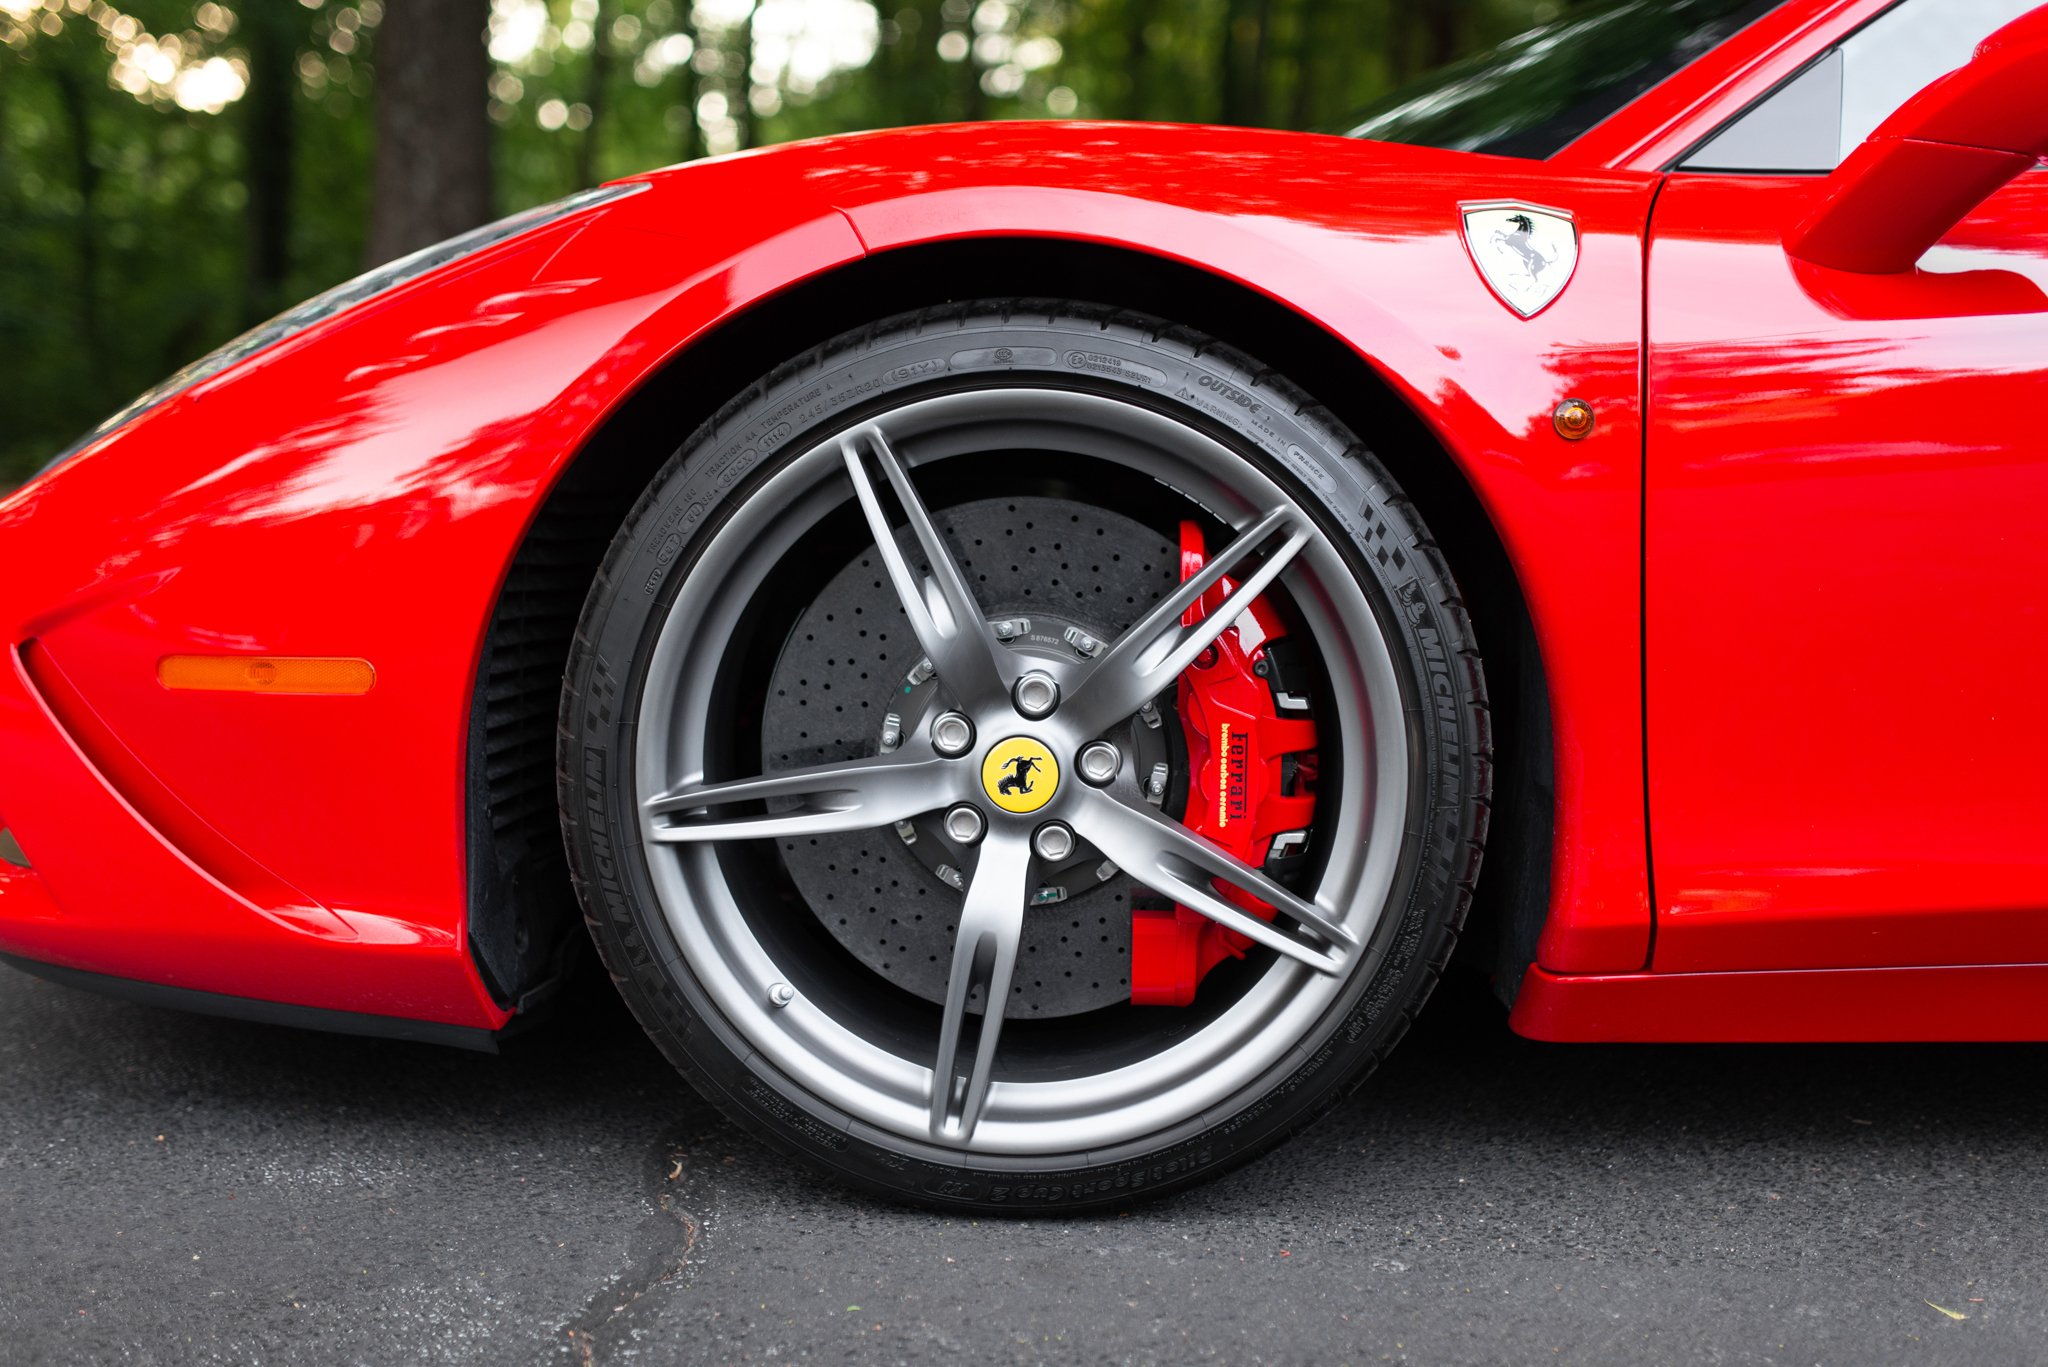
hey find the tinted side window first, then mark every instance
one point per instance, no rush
(1812, 121)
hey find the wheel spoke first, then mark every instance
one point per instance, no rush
(850, 796)
(984, 956)
(1151, 654)
(1175, 862)
(947, 621)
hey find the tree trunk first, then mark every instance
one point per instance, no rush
(916, 84)
(689, 146)
(741, 108)
(1138, 59)
(973, 99)
(432, 177)
(1258, 107)
(71, 95)
(268, 142)
(1445, 20)
(1230, 60)
(593, 93)
(1305, 105)
(1431, 36)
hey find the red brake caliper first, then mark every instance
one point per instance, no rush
(1252, 777)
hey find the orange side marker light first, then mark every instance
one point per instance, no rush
(265, 674)
(1573, 419)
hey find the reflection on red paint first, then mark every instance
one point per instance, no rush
(1846, 591)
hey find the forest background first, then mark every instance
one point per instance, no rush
(172, 173)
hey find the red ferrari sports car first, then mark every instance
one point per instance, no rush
(1014, 638)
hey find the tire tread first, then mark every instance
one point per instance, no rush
(630, 959)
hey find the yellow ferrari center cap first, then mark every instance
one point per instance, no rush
(1020, 774)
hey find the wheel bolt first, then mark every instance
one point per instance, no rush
(965, 824)
(952, 734)
(1099, 762)
(1036, 694)
(1053, 841)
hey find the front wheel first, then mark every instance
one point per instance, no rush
(1024, 756)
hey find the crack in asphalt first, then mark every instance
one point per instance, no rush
(660, 1257)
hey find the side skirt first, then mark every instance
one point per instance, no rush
(268, 1013)
(1967, 1003)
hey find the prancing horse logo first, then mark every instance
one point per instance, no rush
(1019, 780)
(1019, 774)
(1525, 253)
(1516, 238)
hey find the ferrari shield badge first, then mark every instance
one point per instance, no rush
(1526, 254)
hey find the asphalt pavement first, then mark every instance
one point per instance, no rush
(175, 1189)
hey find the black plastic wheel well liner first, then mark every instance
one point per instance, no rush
(522, 911)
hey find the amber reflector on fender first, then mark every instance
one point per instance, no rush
(265, 674)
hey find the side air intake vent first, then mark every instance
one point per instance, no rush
(522, 913)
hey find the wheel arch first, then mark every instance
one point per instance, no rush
(522, 909)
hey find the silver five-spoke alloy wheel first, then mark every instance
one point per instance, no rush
(953, 1094)
(898, 773)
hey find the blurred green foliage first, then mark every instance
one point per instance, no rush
(172, 172)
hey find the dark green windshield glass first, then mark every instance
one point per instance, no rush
(1541, 89)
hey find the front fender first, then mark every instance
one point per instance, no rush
(357, 491)
(1364, 240)
(361, 489)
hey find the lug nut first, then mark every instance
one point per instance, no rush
(1053, 841)
(1036, 694)
(1099, 762)
(952, 735)
(965, 824)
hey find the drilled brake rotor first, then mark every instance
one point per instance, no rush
(1055, 563)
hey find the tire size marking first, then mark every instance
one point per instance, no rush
(1104, 364)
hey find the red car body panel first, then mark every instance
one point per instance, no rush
(1983, 1003)
(357, 491)
(1845, 590)
(1364, 247)
(360, 490)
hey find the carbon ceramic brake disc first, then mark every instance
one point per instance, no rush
(1038, 566)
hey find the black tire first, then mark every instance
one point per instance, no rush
(1275, 428)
